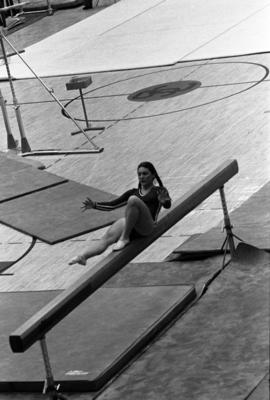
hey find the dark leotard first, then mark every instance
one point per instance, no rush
(150, 199)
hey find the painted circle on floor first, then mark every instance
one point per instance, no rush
(164, 91)
(234, 88)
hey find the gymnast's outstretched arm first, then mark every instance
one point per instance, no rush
(107, 205)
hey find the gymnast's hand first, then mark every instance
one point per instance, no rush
(164, 197)
(88, 204)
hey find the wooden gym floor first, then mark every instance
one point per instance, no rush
(186, 137)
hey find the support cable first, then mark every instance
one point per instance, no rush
(49, 90)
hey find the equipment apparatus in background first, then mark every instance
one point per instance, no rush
(25, 146)
(82, 82)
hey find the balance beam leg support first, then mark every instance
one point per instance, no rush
(227, 222)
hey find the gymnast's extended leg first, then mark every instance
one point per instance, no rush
(111, 236)
(137, 216)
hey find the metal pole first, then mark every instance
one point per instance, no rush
(227, 222)
(84, 109)
(25, 147)
(49, 382)
(11, 143)
(49, 6)
(88, 125)
(49, 385)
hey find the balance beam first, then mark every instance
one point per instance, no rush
(39, 324)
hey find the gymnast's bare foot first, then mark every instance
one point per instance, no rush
(120, 244)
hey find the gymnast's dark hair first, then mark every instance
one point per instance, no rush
(152, 169)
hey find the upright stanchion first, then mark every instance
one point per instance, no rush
(80, 83)
(50, 9)
(50, 386)
(25, 147)
(11, 142)
(227, 222)
(84, 110)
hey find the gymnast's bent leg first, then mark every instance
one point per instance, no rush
(111, 236)
(137, 217)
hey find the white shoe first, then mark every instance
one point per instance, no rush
(77, 260)
(120, 245)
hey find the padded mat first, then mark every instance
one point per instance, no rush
(99, 336)
(261, 392)
(165, 273)
(251, 223)
(9, 164)
(54, 215)
(219, 350)
(19, 159)
(212, 241)
(28, 180)
(18, 178)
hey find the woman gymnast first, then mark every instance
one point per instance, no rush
(142, 208)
